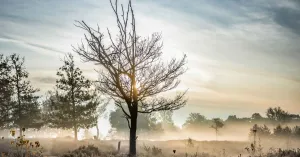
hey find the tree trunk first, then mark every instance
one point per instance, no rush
(21, 133)
(119, 146)
(19, 102)
(216, 134)
(74, 111)
(98, 132)
(132, 141)
(75, 132)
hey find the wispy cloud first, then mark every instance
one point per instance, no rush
(44, 79)
(240, 52)
(34, 45)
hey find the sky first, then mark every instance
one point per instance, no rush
(243, 56)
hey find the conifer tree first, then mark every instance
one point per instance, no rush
(26, 108)
(6, 92)
(75, 104)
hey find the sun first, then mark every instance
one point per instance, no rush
(137, 85)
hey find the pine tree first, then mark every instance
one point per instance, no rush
(74, 102)
(26, 111)
(6, 92)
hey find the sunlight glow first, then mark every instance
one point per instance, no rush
(81, 134)
(104, 128)
(137, 86)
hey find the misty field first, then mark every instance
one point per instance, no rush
(66, 147)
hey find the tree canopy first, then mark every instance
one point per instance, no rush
(75, 101)
(133, 72)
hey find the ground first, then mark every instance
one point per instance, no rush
(56, 147)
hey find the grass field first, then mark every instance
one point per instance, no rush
(58, 147)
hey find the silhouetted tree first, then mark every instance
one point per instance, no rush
(195, 121)
(217, 124)
(166, 116)
(6, 92)
(295, 117)
(283, 133)
(278, 115)
(296, 131)
(26, 110)
(261, 131)
(232, 118)
(280, 131)
(167, 121)
(145, 122)
(195, 118)
(287, 131)
(48, 104)
(74, 102)
(133, 71)
(256, 116)
(118, 121)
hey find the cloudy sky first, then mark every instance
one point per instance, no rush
(243, 56)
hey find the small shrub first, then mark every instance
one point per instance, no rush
(88, 151)
(284, 153)
(20, 147)
(147, 149)
(190, 142)
(154, 151)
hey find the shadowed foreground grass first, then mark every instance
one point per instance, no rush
(90, 150)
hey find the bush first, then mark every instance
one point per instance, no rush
(87, 151)
(284, 153)
(154, 151)
(20, 146)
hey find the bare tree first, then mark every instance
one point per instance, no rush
(133, 73)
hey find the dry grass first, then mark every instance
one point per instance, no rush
(182, 148)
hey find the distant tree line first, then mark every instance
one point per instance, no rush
(147, 124)
(285, 124)
(274, 116)
(280, 131)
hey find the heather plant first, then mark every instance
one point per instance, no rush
(154, 151)
(190, 143)
(89, 150)
(283, 153)
(296, 132)
(22, 147)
